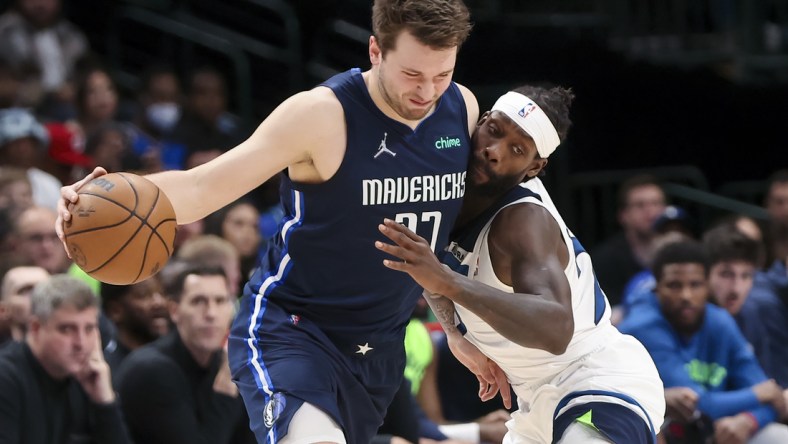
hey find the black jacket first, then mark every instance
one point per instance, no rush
(37, 409)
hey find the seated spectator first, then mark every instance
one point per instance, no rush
(96, 98)
(187, 232)
(33, 240)
(55, 387)
(206, 125)
(750, 228)
(770, 297)
(733, 257)
(159, 102)
(178, 389)
(16, 193)
(213, 250)
(238, 223)
(706, 365)
(10, 85)
(776, 204)
(15, 289)
(43, 47)
(674, 224)
(641, 201)
(23, 144)
(139, 313)
(110, 146)
(66, 159)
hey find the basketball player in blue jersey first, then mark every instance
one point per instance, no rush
(317, 346)
(523, 289)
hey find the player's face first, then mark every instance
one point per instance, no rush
(66, 339)
(204, 313)
(683, 291)
(730, 283)
(503, 154)
(145, 309)
(412, 76)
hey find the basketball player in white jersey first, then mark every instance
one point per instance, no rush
(521, 288)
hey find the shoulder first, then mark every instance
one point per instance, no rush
(720, 327)
(471, 105)
(13, 368)
(524, 219)
(719, 320)
(763, 297)
(311, 113)
(314, 102)
(469, 97)
(10, 359)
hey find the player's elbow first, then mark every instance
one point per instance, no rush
(563, 331)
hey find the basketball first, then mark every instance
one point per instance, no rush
(122, 229)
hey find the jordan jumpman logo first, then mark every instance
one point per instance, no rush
(383, 148)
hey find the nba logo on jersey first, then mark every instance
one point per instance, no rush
(295, 319)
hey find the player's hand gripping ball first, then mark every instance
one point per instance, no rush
(122, 229)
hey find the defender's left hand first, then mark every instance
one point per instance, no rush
(418, 260)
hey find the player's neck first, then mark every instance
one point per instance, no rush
(474, 203)
(372, 80)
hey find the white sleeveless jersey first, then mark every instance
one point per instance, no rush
(599, 365)
(528, 366)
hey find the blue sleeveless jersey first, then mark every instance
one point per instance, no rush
(323, 264)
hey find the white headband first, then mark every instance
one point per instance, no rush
(528, 116)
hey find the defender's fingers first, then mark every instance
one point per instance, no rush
(393, 250)
(401, 228)
(394, 235)
(503, 386)
(492, 390)
(482, 386)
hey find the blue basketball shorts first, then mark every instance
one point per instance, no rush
(280, 360)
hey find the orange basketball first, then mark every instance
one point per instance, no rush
(122, 229)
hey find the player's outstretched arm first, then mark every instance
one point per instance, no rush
(539, 313)
(306, 133)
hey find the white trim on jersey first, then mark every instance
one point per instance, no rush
(262, 374)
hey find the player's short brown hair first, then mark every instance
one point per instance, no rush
(439, 24)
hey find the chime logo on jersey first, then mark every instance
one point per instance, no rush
(448, 142)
